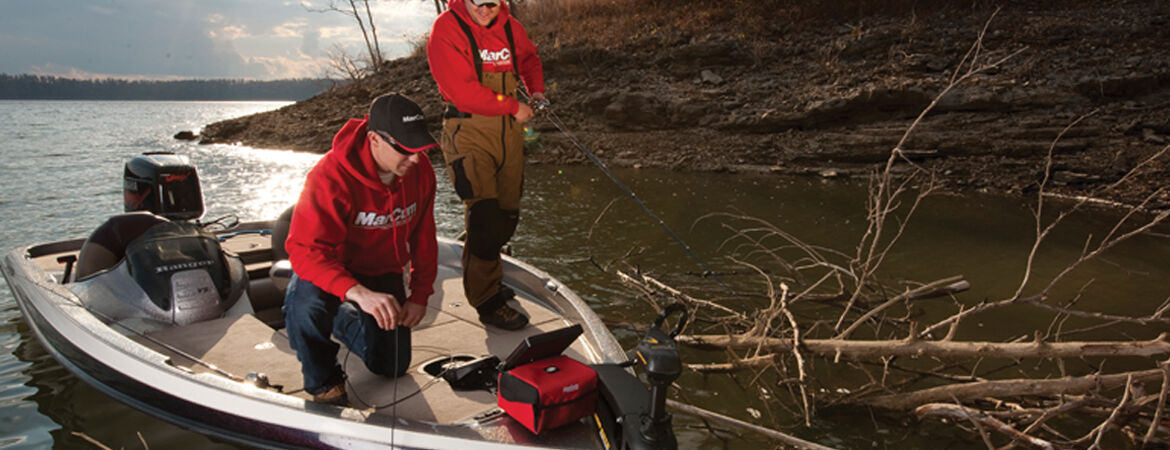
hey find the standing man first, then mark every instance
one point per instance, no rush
(478, 55)
(366, 212)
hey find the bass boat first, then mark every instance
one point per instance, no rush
(186, 325)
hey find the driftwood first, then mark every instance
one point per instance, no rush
(1009, 388)
(942, 349)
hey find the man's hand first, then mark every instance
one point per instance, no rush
(384, 307)
(412, 314)
(539, 101)
(523, 114)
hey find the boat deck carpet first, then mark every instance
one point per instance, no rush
(243, 344)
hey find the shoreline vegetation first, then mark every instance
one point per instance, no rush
(40, 87)
(823, 90)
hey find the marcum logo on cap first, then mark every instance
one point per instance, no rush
(414, 118)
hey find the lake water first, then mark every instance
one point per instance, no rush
(60, 176)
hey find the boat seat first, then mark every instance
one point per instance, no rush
(107, 244)
(268, 294)
(281, 271)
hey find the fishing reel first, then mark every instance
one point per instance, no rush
(641, 413)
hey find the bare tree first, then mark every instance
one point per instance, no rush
(369, 34)
(342, 63)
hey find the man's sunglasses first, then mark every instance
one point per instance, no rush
(393, 143)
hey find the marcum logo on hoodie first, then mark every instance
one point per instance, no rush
(500, 57)
(397, 217)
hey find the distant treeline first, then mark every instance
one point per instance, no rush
(36, 87)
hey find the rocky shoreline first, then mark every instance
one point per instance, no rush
(831, 97)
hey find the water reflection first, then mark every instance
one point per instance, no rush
(252, 184)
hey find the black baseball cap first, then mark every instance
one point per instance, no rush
(400, 120)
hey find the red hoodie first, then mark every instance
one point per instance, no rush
(449, 55)
(348, 221)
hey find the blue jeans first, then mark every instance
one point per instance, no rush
(312, 315)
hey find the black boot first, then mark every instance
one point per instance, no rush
(496, 312)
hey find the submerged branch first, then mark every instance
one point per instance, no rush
(959, 412)
(782, 437)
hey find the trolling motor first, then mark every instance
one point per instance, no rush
(643, 422)
(659, 353)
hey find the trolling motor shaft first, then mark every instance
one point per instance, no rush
(640, 413)
(658, 352)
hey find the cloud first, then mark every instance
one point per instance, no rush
(190, 38)
(311, 44)
(338, 32)
(51, 69)
(294, 68)
(291, 29)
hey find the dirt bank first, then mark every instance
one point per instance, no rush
(828, 94)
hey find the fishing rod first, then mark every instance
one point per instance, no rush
(543, 106)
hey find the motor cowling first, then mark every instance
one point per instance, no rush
(174, 274)
(163, 183)
(181, 268)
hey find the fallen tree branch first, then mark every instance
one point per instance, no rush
(1157, 420)
(786, 438)
(1009, 388)
(754, 362)
(959, 412)
(952, 285)
(1063, 408)
(655, 284)
(1096, 315)
(943, 349)
(1101, 429)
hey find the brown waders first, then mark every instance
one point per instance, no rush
(485, 160)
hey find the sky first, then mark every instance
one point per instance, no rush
(179, 39)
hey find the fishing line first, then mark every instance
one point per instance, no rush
(543, 106)
(397, 359)
(393, 403)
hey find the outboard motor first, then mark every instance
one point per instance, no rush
(641, 413)
(163, 183)
(185, 274)
(172, 273)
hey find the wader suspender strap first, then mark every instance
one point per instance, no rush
(476, 60)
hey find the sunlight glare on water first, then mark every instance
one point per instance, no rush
(253, 184)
